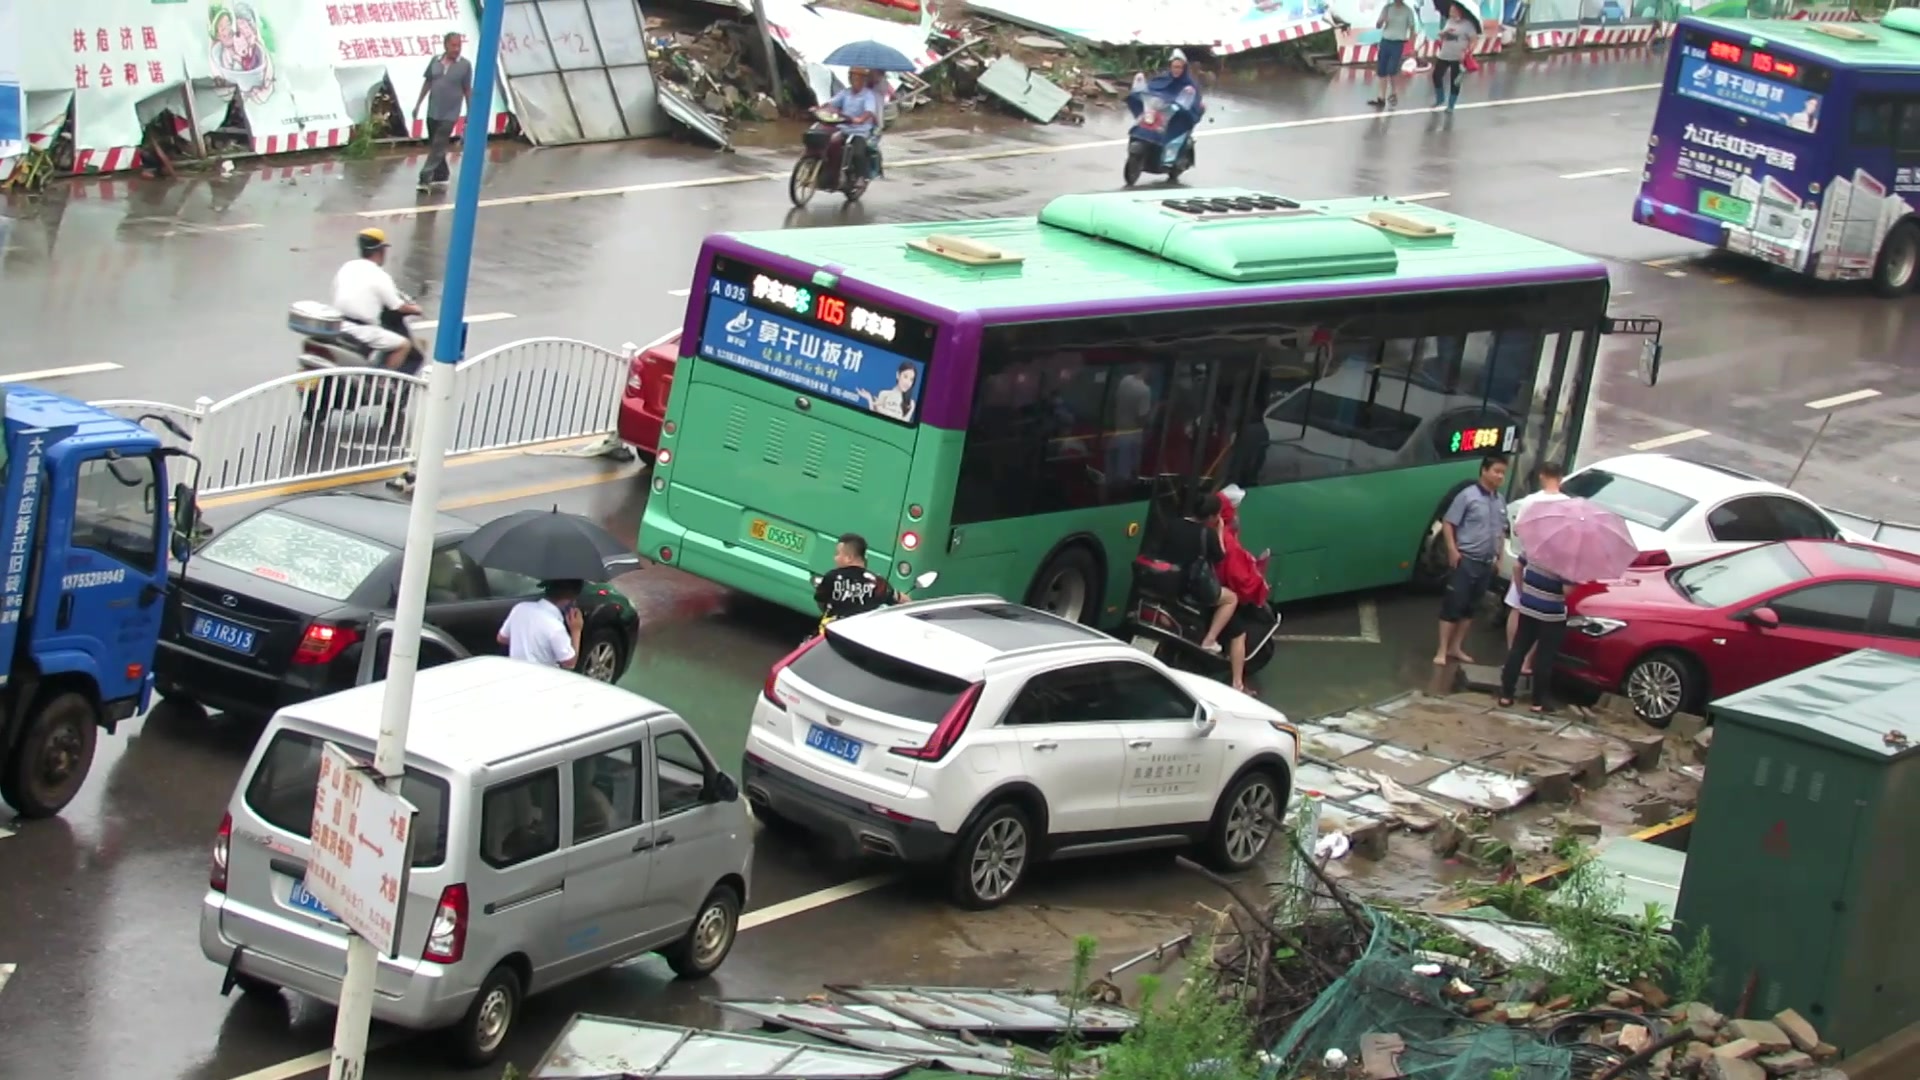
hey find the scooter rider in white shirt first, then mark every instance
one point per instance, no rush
(364, 292)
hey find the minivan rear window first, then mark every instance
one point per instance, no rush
(877, 681)
(281, 792)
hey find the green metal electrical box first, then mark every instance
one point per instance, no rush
(1804, 860)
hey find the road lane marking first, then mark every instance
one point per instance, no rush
(679, 292)
(1843, 399)
(1676, 273)
(759, 917)
(1592, 173)
(787, 909)
(1003, 153)
(1369, 630)
(59, 372)
(6, 973)
(490, 316)
(1662, 263)
(1670, 440)
(1425, 196)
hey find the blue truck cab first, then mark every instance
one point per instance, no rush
(87, 526)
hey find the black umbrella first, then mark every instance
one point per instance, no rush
(1466, 8)
(548, 545)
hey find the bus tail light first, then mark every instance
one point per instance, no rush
(664, 456)
(1647, 560)
(910, 540)
(773, 673)
(948, 731)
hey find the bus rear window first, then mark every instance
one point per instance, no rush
(877, 681)
(792, 331)
(281, 792)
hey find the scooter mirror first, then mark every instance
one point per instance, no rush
(927, 579)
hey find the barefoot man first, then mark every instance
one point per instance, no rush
(1473, 527)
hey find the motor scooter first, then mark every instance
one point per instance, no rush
(823, 160)
(1161, 139)
(325, 345)
(1162, 622)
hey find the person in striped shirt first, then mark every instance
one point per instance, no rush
(1542, 605)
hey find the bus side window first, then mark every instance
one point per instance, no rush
(1873, 121)
(1906, 129)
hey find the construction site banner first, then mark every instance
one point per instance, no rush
(300, 72)
(13, 107)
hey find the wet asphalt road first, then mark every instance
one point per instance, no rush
(183, 285)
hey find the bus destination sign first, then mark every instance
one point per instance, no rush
(821, 309)
(1482, 440)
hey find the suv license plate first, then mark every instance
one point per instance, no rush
(832, 742)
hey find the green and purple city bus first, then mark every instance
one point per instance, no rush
(1006, 401)
(1796, 143)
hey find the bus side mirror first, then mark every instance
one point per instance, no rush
(1650, 351)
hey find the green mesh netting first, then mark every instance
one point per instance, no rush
(1381, 993)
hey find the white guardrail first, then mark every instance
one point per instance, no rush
(313, 425)
(1891, 534)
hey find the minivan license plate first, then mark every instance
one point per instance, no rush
(220, 632)
(299, 897)
(834, 743)
(778, 535)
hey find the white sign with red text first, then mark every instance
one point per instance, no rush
(362, 847)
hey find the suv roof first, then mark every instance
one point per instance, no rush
(482, 710)
(962, 635)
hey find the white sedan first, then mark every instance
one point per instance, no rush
(1682, 511)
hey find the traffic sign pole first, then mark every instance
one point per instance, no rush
(389, 761)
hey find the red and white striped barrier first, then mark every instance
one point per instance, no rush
(1426, 48)
(1291, 33)
(1590, 37)
(336, 137)
(1825, 16)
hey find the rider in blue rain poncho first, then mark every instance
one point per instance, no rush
(1171, 83)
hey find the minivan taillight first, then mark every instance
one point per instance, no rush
(1648, 559)
(773, 674)
(322, 643)
(948, 730)
(447, 937)
(222, 850)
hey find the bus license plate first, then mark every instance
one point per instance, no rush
(301, 898)
(778, 535)
(832, 742)
(220, 632)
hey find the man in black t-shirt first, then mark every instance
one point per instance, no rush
(850, 588)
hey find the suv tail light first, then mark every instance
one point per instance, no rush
(948, 730)
(447, 937)
(322, 643)
(222, 851)
(1648, 559)
(773, 673)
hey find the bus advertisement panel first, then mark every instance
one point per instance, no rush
(1768, 148)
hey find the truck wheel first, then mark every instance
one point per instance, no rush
(50, 762)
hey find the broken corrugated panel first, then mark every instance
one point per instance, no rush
(681, 108)
(1516, 943)
(1019, 86)
(600, 1046)
(1227, 25)
(870, 1027)
(967, 1009)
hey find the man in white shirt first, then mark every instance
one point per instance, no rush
(546, 631)
(363, 291)
(1550, 474)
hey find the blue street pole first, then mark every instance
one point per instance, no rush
(410, 607)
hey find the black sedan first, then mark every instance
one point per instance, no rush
(281, 606)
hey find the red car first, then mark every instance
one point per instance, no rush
(1670, 640)
(644, 406)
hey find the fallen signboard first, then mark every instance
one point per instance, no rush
(362, 847)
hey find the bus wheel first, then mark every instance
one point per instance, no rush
(1067, 586)
(1893, 272)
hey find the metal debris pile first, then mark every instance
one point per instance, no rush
(717, 69)
(1032, 74)
(846, 1033)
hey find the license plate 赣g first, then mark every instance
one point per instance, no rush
(779, 536)
(301, 898)
(240, 639)
(832, 742)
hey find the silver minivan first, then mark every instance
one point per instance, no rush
(564, 825)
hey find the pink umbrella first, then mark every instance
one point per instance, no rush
(1576, 540)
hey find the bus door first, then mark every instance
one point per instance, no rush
(1205, 409)
(1555, 410)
